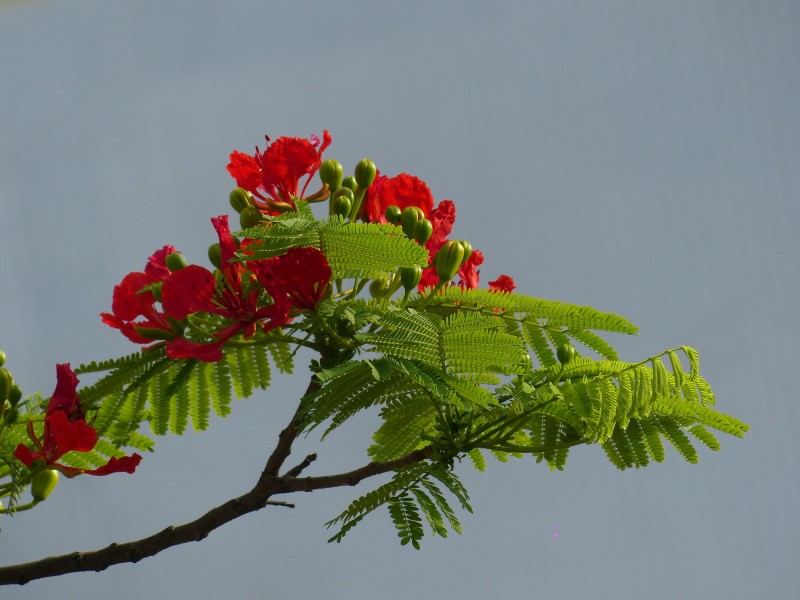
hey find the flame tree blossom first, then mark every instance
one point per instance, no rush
(301, 275)
(273, 176)
(503, 283)
(131, 300)
(66, 430)
(230, 293)
(403, 190)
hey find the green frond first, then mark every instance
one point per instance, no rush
(477, 458)
(594, 342)
(442, 504)
(552, 312)
(404, 423)
(289, 230)
(406, 519)
(407, 334)
(672, 431)
(431, 512)
(472, 343)
(376, 498)
(368, 250)
(534, 337)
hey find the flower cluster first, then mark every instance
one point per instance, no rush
(245, 296)
(195, 312)
(66, 430)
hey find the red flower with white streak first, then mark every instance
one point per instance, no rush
(274, 175)
(66, 430)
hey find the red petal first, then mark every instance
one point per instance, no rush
(245, 170)
(69, 435)
(65, 396)
(156, 264)
(129, 301)
(504, 283)
(188, 291)
(469, 275)
(403, 190)
(27, 457)
(126, 464)
(181, 348)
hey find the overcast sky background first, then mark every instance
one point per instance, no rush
(637, 156)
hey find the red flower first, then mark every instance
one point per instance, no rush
(302, 275)
(469, 275)
(274, 175)
(65, 430)
(131, 302)
(504, 283)
(402, 190)
(442, 218)
(246, 170)
(229, 293)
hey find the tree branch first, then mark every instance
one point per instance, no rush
(268, 485)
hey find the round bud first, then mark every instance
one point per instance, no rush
(10, 416)
(2, 358)
(175, 261)
(331, 172)
(467, 249)
(239, 199)
(6, 382)
(350, 182)
(565, 353)
(378, 287)
(215, 255)
(392, 214)
(250, 217)
(410, 277)
(342, 205)
(345, 191)
(409, 218)
(448, 260)
(43, 483)
(14, 395)
(423, 231)
(365, 173)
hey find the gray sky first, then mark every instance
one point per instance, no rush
(640, 157)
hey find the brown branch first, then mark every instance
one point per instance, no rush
(256, 499)
(309, 484)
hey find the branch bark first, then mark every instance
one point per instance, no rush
(269, 484)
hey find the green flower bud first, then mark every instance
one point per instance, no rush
(2, 358)
(239, 199)
(155, 289)
(345, 191)
(467, 249)
(43, 483)
(423, 231)
(10, 416)
(409, 218)
(331, 172)
(378, 287)
(342, 205)
(565, 353)
(448, 260)
(392, 214)
(365, 173)
(250, 217)
(6, 381)
(410, 276)
(350, 182)
(215, 255)
(14, 395)
(175, 261)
